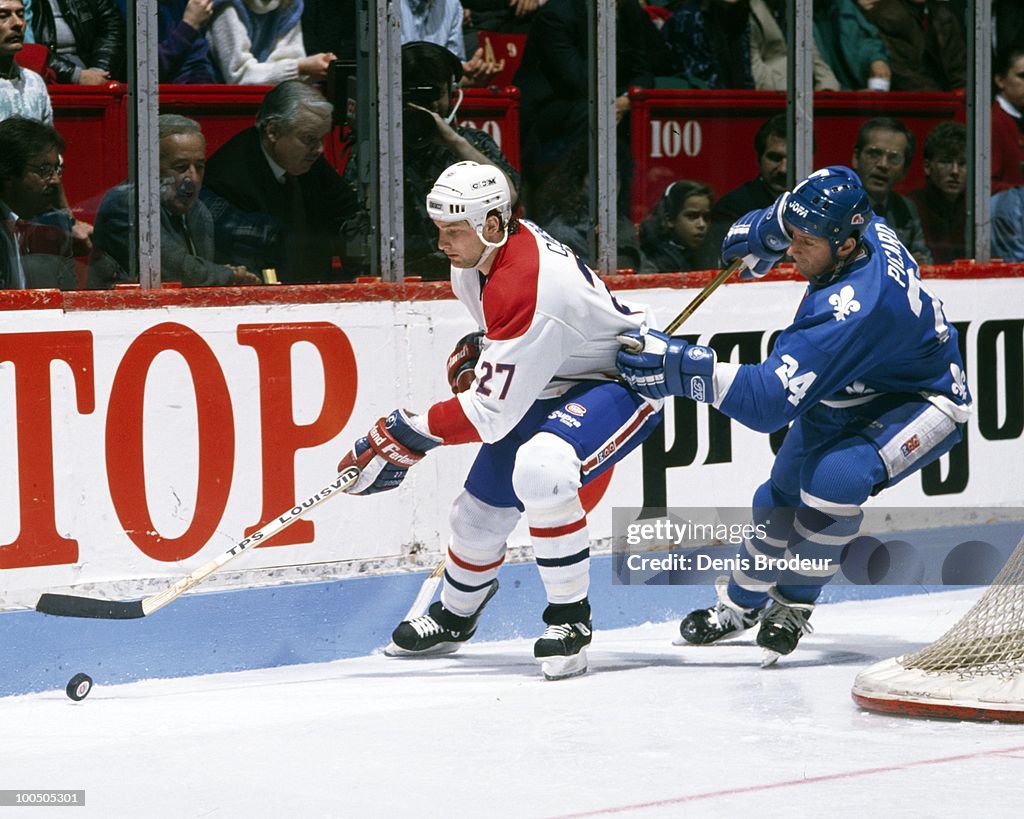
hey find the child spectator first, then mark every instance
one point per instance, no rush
(673, 237)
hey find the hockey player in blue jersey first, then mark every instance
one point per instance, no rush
(869, 376)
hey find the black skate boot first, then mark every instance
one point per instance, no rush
(782, 626)
(561, 649)
(723, 620)
(439, 631)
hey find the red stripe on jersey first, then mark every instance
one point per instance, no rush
(510, 294)
(559, 531)
(624, 434)
(473, 567)
(447, 420)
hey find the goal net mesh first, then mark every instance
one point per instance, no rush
(989, 638)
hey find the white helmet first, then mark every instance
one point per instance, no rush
(467, 192)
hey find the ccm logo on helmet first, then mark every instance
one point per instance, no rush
(484, 183)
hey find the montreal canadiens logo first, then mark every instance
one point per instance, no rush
(576, 409)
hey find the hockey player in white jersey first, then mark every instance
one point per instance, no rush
(869, 373)
(537, 386)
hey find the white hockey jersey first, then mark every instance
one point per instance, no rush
(549, 323)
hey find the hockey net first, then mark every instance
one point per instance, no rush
(974, 671)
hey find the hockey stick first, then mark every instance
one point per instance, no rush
(709, 288)
(69, 605)
(430, 584)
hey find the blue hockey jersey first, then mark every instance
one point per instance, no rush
(874, 329)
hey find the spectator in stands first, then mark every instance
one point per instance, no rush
(22, 91)
(768, 50)
(567, 192)
(925, 41)
(673, 238)
(86, 39)
(1008, 155)
(941, 201)
(553, 81)
(1008, 119)
(186, 227)
(184, 54)
(503, 16)
(275, 200)
(434, 141)
(33, 255)
(881, 157)
(709, 41)
(772, 161)
(329, 26)
(440, 22)
(23, 94)
(851, 45)
(257, 42)
(1008, 22)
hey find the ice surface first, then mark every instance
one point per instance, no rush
(654, 730)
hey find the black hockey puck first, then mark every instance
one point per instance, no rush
(79, 687)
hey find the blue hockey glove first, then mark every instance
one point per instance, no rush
(759, 235)
(386, 453)
(658, 366)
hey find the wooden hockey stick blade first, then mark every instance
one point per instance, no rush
(70, 605)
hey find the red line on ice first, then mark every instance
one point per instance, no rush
(810, 780)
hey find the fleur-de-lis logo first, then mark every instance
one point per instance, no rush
(859, 388)
(844, 302)
(959, 381)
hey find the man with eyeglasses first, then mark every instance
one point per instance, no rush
(33, 254)
(276, 201)
(942, 201)
(881, 157)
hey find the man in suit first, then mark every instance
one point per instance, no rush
(273, 177)
(186, 227)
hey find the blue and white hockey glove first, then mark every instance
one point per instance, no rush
(658, 366)
(386, 453)
(760, 235)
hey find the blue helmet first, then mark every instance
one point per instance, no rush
(831, 204)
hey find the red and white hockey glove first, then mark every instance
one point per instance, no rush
(462, 362)
(386, 453)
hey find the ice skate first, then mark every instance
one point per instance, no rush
(722, 621)
(561, 649)
(782, 626)
(437, 632)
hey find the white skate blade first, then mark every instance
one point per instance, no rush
(562, 668)
(391, 650)
(769, 657)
